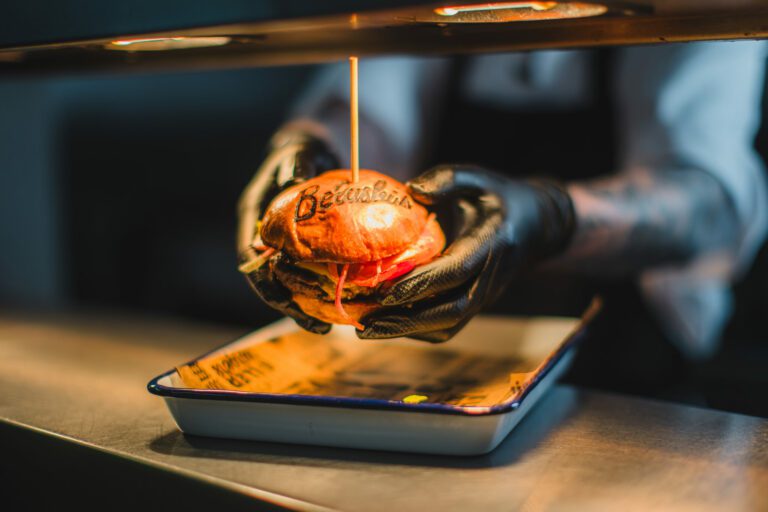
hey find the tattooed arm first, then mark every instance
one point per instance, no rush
(692, 184)
(643, 219)
(688, 212)
(684, 213)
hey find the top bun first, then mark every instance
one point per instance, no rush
(330, 219)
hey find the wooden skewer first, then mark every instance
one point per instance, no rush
(354, 154)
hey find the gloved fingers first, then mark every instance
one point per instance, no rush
(469, 217)
(483, 291)
(440, 336)
(414, 321)
(461, 262)
(448, 182)
(252, 202)
(307, 322)
(436, 320)
(434, 336)
(299, 158)
(278, 297)
(307, 161)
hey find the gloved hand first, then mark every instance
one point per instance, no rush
(505, 226)
(294, 156)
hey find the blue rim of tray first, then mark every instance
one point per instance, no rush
(370, 403)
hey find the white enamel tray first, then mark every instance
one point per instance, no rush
(542, 346)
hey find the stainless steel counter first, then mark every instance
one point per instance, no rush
(83, 381)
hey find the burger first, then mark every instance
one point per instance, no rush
(333, 243)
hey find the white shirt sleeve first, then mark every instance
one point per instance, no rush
(697, 105)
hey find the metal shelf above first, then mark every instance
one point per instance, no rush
(285, 37)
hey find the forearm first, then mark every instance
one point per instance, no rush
(643, 219)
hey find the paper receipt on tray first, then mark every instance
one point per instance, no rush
(298, 364)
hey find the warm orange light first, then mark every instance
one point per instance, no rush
(166, 43)
(505, 12)
(494, 6)
(377, 216)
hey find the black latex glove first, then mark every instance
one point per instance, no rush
(505, 226)
(294, 156)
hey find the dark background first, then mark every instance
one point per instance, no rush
(118, 192)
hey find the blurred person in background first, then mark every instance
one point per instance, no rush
(630, 173)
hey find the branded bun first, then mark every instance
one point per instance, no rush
(330, 219)
(333, 244)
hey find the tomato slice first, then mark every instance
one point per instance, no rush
(337, 298)
(373, 273)
(392, 272)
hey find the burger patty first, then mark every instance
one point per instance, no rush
(302, 280)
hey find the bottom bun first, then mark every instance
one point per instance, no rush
(327, 312)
